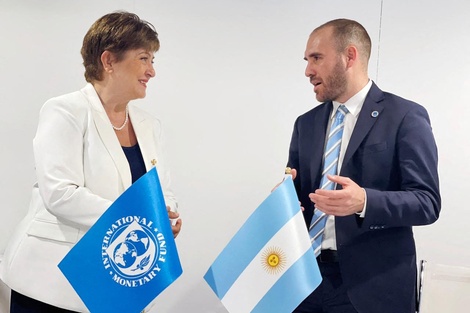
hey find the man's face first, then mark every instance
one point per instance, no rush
(326, 68)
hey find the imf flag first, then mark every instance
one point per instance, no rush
(269, 265)
(129, 255)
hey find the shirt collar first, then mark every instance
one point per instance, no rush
(354, 104)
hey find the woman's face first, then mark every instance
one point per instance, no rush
(133, 72)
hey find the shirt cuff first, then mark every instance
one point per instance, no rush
(363, 212)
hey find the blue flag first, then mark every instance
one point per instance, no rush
(129, 256)
(269, 265)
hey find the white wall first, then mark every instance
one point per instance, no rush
(229, 86)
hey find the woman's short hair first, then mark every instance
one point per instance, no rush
(117, 33)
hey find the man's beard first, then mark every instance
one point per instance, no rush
(336, 84)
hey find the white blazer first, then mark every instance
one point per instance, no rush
(81, 169)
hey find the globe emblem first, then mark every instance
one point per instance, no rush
(139, 240)
(125, 254)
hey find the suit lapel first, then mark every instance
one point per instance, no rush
(367, 118)
(107, 135)
(320, 125)
(143, 128)
(311, 134)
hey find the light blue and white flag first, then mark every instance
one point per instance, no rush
(269, 265)
(129, 255)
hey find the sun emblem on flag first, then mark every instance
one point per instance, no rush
(273, 260)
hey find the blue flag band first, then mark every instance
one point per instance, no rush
(129, 256)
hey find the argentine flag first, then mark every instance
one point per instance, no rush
(269, 265)
(128, 257)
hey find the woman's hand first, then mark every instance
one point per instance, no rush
(176, 228)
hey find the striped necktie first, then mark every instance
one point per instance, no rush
(330, 167)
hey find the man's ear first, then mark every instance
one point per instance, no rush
(107, 60)
(352, 55)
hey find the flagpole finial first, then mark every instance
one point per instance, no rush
(287, 171)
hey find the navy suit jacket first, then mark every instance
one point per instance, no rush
(393, 156)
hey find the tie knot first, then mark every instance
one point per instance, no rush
(340, 113)
(342, 109)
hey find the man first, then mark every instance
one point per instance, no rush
(387, 178)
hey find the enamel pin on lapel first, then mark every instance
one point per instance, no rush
(374, 114)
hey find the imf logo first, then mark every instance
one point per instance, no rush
(132, 251)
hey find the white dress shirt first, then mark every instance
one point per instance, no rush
(354, 106)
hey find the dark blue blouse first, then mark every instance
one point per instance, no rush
(136, 161)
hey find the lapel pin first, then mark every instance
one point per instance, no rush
(374, 114)
(153, 162)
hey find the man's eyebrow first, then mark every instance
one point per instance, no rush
(313, 54)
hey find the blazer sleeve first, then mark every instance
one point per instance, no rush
(58, 150)
(416, 198)
(293, 161)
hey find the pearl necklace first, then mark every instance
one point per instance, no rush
(125, 121)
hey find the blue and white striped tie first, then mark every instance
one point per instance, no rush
(330, 167)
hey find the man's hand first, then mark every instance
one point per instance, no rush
(349, 200)
(293, 173)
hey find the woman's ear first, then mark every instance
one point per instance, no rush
(107, 60)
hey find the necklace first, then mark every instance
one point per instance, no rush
(125, 121)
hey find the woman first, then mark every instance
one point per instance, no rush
(90, 146)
